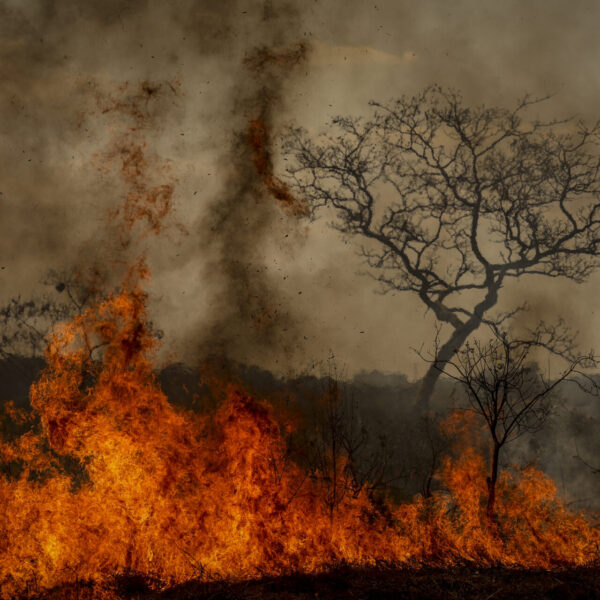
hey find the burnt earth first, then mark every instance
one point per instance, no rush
(465, 583)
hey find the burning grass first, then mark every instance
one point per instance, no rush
(176, 497)
(111, 492)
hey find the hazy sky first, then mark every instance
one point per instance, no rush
(242, 254)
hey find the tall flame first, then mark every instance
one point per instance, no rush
(110, 477)
(115, 479)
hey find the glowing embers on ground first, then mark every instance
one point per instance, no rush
(113, 478)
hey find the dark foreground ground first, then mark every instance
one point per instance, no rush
(373, 584)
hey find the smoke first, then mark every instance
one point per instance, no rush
(253, 314)
(253, 216)
(221, 288)
(74, 106)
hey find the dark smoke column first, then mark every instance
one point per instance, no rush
(251, 314)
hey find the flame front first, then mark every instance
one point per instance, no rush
(176, 496)
(110, 478)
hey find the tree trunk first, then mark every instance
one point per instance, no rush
(444, 354)
(491, 484)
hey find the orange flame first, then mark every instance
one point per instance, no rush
(115, 479)
(111, 478)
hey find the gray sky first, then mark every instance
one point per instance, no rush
(58, 60)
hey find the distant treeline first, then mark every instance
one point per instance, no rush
(376, 418)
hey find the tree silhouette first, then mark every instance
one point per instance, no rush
(450, 202)
(506, 388)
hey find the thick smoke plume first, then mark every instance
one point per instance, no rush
(255, 205)
(173, 100)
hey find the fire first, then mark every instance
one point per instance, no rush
(114, 479)
(109, 477)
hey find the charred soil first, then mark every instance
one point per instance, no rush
(382, 583)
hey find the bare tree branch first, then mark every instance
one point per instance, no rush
(507, 390)
(450, 200)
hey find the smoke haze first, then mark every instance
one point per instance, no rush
(252, 279)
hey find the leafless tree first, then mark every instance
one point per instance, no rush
(594, 468)
(343, 454)
(434, 444)
(506, 388)
(450, 201)
(25, 323)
